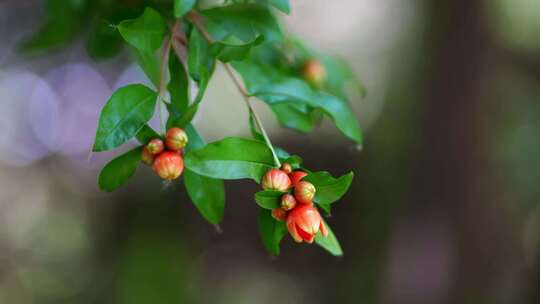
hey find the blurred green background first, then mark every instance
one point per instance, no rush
(445, 206)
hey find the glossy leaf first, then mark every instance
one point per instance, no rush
(182, 7)
(339, 75)
(244, 21)
(329, 189)
(329, 243)
(231, 158)
(103, 40)
(232, 48)
(146, 32)
(271, 231)
(149, 63)
(178, 88)
(119, 170)
(268, 199)
(207, 194)
(126, 112)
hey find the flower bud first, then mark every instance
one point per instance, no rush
(276, 179)
(288, 202)
(303, 223)
(297, 176)
(169, 165)
(314, 72)
(286, 167)
(155, 146)
(304, 192)
(147, 157)
(279, 214)
(176, 139)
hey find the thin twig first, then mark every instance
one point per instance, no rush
(195, 19)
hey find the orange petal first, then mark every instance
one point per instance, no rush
(291, 226)
(307, 237)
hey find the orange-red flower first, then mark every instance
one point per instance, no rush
(288, 202)
(303, 223)
(279, 214)
(176, 139)
(304, 192)
(169, 165)
(155, 146)
(147, 157)
(297, 176)
(276, 179)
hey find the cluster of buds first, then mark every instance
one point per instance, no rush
(314, 72)
(296, 204)
(166, 157)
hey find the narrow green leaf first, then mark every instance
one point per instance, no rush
(329, 189)
(146, 134)
(178, 88)
(255, 133)
(126, 112)
(200, 59)
(268, 199)
(329, 243)
(146, 32)
(182, 7)
(231, 158)
(207, 194)
(271, 231)
(119, 170)
(231, 48)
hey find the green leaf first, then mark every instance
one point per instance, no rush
(126, 112)
(329, 243)
(271, 231)
(119, 170)
(178, 88)
(275, 87)
(149, 63)
(146, 32)
(268, 199)
(329, 189)
(232, 48)
(207, 194)
(182, 7)
(146, 134)
(339, 75)
(255, 133)
(201, 65)
(244, 21)
(282, 5)
(291, 116)
(231, 158)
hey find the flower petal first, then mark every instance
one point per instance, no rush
(306, 236)
(291, 226)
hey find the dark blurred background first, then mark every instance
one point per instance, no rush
(445, 206)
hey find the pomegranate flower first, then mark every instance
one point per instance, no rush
(304, 192)
(297, 176)
(176, 139)
(303, 223)
(276, 179)
(168, 165)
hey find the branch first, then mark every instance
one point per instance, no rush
(195, 19)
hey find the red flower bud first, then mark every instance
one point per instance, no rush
(276, 179)
(303, 223)
(304, 192)
(147, 157)
(155, 146)
(176, 139)
(288, 202)
(314, 72)
(286, 167)
(169, 165)
(279, 214)
(297, 176)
